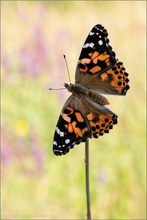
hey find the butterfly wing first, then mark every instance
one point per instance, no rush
(98, 68)
(72, 127)
(81, 119)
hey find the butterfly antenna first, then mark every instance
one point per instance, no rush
(67, 72)
(67, 68)
(56, 89)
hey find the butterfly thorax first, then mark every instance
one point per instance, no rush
(82, 91)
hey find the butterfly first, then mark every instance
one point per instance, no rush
(84, 114)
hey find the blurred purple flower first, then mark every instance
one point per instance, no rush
(101, 177)
(6, 153)
(5, 64)
(22, 148)
(34, 56)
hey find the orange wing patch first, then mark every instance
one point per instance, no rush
(65, 116)
(95, 69)
(119, 77)
(73, 119)
(101, 125)
(93, 59)
(79, 116)
(104, 76)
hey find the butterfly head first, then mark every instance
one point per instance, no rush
(69, 87)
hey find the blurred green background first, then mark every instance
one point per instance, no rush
(35, 183)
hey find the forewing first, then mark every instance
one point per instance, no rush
(72, 127)
(98, 68)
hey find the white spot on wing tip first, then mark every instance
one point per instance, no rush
(55, 143)
(61, 133)
(91, 33)
(100, 42)
(88, 45)
(67, 141)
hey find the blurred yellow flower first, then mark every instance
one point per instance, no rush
(21, 127)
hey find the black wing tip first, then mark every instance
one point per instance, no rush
(64, 150)
(60, 153)
(125, 90)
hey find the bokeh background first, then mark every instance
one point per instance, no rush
(35, 183)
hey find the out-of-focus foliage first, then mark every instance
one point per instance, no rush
(35, 183)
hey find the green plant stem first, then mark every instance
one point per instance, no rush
(87, 179)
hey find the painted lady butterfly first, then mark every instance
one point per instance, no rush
(84, 114)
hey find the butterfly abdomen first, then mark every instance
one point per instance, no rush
(98, 98)
(82, 91)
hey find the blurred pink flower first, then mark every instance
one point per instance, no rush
(22, 148)
(6, 153)
(34, 55)
(101, 177)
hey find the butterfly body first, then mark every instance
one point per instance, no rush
(81, 91)
(84, 114)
